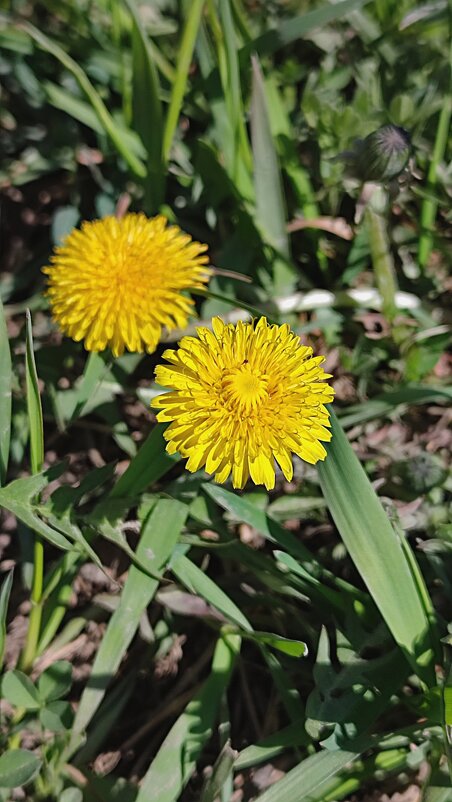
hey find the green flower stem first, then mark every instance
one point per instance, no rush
(382, 262)
(430, 205)
(34, 413)
(34, 626)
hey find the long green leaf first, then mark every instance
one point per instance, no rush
(5, 396)
(291, 736)
(312, 571)
(185, 54)
(5, 591)
(232, 90)
(377, 552)
(160, 532)
(34, 408)
(147, 110)
(198, 582)
(83, 112)
(270, 206)
(176, 759)
(92, 95)
(310, 776)
(430, 206)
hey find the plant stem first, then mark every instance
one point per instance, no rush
(34, 412)
(34, 625)
(382, 262)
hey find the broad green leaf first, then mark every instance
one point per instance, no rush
(34, 408)
(159, 535)
(64, 220)
(18, 767)
(20, 691)
(5, 396)
(104, 116)
(376, 551)
(176, 759)
(17, 497)
(56, 681)
(57, 716)
(270, 205)
(5, 591)
(72, 794)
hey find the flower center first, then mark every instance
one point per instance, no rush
(244, 389)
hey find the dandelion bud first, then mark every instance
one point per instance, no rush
(380, 157)
(383, 154)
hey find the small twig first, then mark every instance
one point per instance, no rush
(334, 225)
(122, 205)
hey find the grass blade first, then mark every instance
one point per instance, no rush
(185, 54)
(159, 535)
(5, 396)
(104, 116)
(430, 204)
(198, 582)
(227, 48)
(5, 591)
(147, 111)
(311, 775)
(377, 552)
(36, 427)
(270, 747)
(176, 759)
(270, 206)
(236, 162)
(34, 408)
(309, 569)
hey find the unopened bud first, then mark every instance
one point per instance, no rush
(381, 156)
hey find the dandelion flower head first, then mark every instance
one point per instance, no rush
(117, 282)
(241, 397)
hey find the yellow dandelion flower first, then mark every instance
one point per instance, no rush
(117, 282)
(242, 397)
